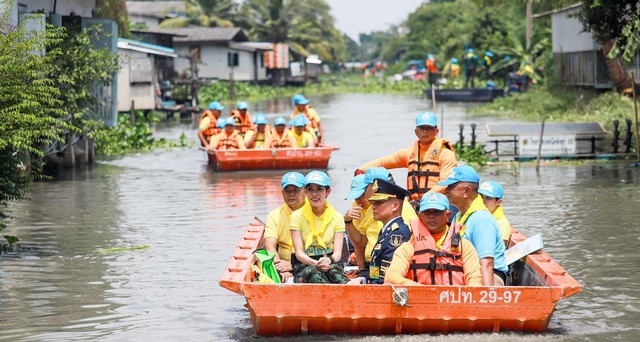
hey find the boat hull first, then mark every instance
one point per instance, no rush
(465, 94)
(275, 159)
(289, 309)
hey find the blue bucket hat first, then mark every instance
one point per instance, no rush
(426, 119)
(429, 56)
(229, 121)
(242, 105)
(318, 178)
(434, 200)
(302, 101)
(260, 119)
(215, 105)
(454, 60)
(358, 186)
(489, 54)
(491, 189)
(300, 120)
(470, 50)
(293, 178)
(463, 173)
(374, 173)
(297, 97)
(280, 121)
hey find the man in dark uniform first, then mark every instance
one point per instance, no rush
(387, 202)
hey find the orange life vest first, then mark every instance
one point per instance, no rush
(245, 123)
(424, 167)
(228, 142)
(213, 125)
(433, 266)
(278, 141)
(313, 124)
(260, 137)
(431, 65)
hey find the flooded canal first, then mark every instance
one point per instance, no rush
(61, 287)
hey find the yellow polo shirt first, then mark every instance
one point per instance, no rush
(317, 231)
(277, 227)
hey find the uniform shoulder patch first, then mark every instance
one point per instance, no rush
(395, 240)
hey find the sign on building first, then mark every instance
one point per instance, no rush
(278, 58)
(552, 145)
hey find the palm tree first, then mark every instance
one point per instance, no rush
(204, 13)
(530, 61)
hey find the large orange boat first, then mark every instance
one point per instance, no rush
(275, 159)
(287, 309)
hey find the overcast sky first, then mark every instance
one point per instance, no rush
(363, 16)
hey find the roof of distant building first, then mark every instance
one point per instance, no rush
(129, 44)
(157, 9)
(205, 34)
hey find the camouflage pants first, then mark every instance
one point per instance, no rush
(312, 274)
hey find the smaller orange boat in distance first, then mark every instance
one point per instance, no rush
(290, 309)
(274, 159)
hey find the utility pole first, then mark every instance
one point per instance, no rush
(529, 23)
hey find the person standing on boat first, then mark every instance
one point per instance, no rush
(429, 160)
(470, 66)
(432, 69)
(256, 137)
(229, 138)
(277, 237)
(478, 224)
(485, 63)
(241, 115)
(279, 137)
(302, 138)
(387, 202)
(362, 228)
(491, 193)
(208, 123)
(317, 233)
(436, 255)
(313, 120)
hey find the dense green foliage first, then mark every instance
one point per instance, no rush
(204, 13)
(131, 135)
(117, 11)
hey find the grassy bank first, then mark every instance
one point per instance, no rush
(562, 105)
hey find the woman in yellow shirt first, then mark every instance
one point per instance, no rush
(317, 233)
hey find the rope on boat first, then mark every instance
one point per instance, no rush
(400, 296)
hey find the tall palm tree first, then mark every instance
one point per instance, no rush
(204, 13)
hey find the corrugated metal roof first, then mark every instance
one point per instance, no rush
(206, 34)
(157, 9)
(552, 128)
(129, 44)
(252, 46)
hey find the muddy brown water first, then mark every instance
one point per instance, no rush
(60, 287)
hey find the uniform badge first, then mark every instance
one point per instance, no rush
(434, 152)
(396, 240)
(375, 186)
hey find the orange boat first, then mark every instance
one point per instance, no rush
(284, 309)
(275, 159)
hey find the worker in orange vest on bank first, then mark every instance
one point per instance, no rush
(432, 69)
(208, 123)
(229, 138)
(313, 126)
(241, 115)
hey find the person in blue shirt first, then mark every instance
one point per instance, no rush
(477, 223)
(387, 202)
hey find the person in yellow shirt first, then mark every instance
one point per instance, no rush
(302, 138)
(429, 160)
(491, 193)
(317, 233)
(277, 237)
(256, 137)
(314, 127)
(362, 228)
(437, 255)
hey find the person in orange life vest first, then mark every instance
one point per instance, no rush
(229, 138)
(208, 125)
(429, 160)
(387, 203)
(362, 228)
(313, 120)
(277, 237)
(437, 255)
(279, 137)
(478, 224)
(301, 138)
(255, 138)
(317, 233)
(432, 68)
(491, 193)
(243, 120)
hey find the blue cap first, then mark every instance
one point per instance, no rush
(463, 173)
(293, 178)
(215, 105)
(434, 200)
(491, 189)
(242, 105)
(429, 56)
(374, 173)
(280, 121)
(300, 120)
(260, 119)
(297, 97)
(318, 177)
(221, 123)
(470, 50)
(302, 101)
(358, 186)
(229, 121)
(426, 119)
(488, 53)
(454, 60)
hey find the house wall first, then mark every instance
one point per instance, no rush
(214, 63)
(151, 22)
(567, 35)
(136, 81)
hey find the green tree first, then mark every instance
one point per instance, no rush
(532, 61)
(117, 11)
(207, 13)
(30, 109)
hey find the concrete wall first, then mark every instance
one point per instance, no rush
(214, 63)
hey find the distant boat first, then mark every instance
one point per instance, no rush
(271, 159)
(465, 94)
(537, 284)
